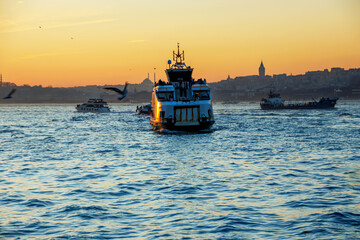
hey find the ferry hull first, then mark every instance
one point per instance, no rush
(182, 127)
(184, 116)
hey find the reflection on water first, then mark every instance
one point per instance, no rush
(256, 174)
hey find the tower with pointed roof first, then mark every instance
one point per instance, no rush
(261, 70)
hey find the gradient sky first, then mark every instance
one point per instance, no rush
(83, 42)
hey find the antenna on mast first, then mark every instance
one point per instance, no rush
(179, 57)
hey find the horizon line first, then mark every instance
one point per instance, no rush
(94, 85)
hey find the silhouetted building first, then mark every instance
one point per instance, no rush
(146, 85)
(337, 70)
(261, 70)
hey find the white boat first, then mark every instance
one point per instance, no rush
(181, 103)
(95, 105)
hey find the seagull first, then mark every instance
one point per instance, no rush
(123, 92)
(10, 93)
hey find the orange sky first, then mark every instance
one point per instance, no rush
(71, 43)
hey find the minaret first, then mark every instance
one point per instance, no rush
(261, 70)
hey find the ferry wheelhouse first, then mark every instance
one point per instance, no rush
(181, 103)
(96, 105)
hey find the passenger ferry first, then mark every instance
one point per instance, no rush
(95, 105)
(181, 103)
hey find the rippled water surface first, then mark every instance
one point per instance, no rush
(290, 174)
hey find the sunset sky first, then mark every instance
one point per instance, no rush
(66, 43)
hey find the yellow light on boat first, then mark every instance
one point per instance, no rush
(158, 109)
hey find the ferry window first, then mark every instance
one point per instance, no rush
(202, 95)
(165, 96)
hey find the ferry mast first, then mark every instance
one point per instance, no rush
(179, 57)
(179, 72)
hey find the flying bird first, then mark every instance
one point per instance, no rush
(123, 93)
(10, 93)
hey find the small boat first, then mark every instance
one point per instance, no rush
(143, 109)
(95, 105)
(181, 103)
(274, 101)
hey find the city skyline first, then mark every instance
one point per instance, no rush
(262, 74)
(65, 44)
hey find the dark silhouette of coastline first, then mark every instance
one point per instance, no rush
(337, 82)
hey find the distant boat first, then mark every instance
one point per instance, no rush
(95, 105)
(144, 109)
(274, 101)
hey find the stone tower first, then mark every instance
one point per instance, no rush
(261, 70)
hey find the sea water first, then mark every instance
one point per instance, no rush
(288, 174)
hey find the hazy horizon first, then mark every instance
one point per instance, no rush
(151, 78)
(66, 43)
